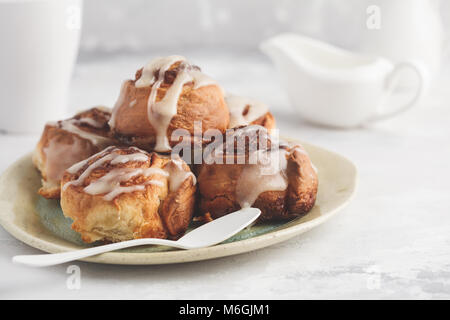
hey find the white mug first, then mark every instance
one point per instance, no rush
(334, 87)
(39, 44)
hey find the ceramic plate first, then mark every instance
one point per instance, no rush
(39, 222)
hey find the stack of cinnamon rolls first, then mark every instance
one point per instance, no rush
(135, 171)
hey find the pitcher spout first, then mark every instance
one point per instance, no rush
(296, 56)
(279, 49)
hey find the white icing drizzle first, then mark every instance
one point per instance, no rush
(91, 122)
(133, 103)
(119, 102)
(77, 166)
(124, 158)
(177, 175)
(161, 113)
(110, 186)
(261, 177)
(59, 156)
(160, 64)
(88, 171)
(70, 125)
(237, 105)
(109, 154)
(236, 137)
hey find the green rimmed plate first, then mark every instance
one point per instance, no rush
(39, 222)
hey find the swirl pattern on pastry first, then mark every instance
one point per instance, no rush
(126, 193)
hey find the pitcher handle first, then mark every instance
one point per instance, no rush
(391, 84)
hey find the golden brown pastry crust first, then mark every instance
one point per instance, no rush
(267, 121)
(205, 104)
(155, 212)
(59, 148)
(217, 188)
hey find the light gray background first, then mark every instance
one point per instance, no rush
(392, 241)
(140, 25)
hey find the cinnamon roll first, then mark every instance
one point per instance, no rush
(66, 142)
(277, 178)
(167, 94)
(245, 111)
(126, 193)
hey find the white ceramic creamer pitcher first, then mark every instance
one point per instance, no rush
(334, 87)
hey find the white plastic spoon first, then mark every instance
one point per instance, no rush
(206, 235)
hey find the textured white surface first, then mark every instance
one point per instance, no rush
(393, 241)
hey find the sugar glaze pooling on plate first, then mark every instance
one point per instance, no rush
(110, 184)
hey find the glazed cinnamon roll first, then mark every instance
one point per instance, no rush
(167, 94)
(126, 193)
(66, 142)
(245, 111)
(277, 178)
